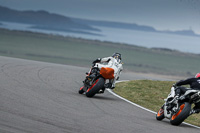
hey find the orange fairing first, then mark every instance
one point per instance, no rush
(107, 73)
(160, 112)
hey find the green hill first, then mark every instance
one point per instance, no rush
(81, 52)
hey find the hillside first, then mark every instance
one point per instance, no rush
(115, 25)
(81, 52)
(51, 21)
(132, 26)
(43, 20)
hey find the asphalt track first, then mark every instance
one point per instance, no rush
(37, 97)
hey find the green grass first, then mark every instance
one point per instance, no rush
(149, 94)
(81, 52)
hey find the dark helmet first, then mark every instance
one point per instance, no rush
(197, 75)
(117, 56)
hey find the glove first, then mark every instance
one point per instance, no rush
(176, 97)
(97, 60)
(181, 97)
(174, 85)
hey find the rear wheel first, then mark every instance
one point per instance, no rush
(182, 113)
(98, 84)
(160, 114)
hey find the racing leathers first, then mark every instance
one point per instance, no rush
(111, 63)
(194, 84)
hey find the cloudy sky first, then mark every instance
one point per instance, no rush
(161, 14)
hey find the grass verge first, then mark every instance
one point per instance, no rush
(150, 94)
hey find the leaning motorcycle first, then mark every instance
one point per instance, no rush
(178, 109)
(95, 80)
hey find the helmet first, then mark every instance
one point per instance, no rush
(117, 56)
(197, 75)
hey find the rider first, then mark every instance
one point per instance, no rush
(194, 84)
(113, 62)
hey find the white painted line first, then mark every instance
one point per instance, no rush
(109, 90)
(130, 101)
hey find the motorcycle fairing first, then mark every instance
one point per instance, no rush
(107, 73)
(190, 91)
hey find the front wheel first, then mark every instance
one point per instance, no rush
(81, 91)
(98, 84)
(160, 114)
(182, 113)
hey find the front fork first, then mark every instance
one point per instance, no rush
(170, 108)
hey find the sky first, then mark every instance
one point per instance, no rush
(161, 14)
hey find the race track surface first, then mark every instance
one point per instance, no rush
(37, 97)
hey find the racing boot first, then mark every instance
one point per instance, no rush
(113, 86)
(194, 111)
(108, 85)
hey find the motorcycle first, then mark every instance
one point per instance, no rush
(95, 81)
(178, 109)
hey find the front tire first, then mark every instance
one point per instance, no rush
(81, 91)
(160, 115)
(181, 115)
(99, 84)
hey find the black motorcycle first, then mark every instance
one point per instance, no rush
(95, 81)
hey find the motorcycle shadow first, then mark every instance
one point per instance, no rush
(182, 125)
(101, 97)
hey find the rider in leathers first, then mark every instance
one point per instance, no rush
(112, 62)
(194, 84)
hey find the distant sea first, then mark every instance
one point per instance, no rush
(189, 44)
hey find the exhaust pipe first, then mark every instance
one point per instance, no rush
(196, 96)
(198, 93)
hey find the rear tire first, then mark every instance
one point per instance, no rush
(181, 114)
(160, 114)
(99, 84)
